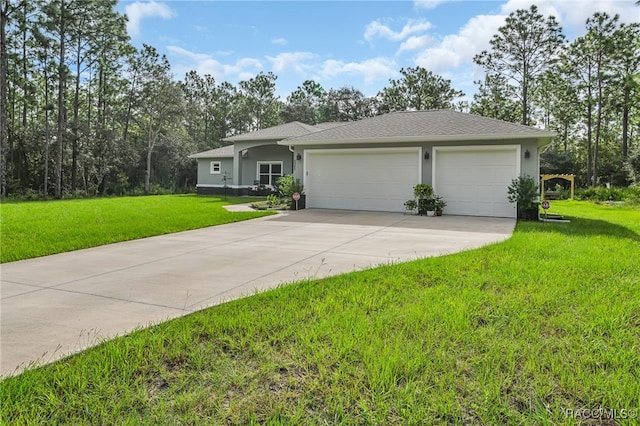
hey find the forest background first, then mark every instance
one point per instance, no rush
(85, 113)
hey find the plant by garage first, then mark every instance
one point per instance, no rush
(425, 200)
(524, 192)
(439, 204)
(286, 186)
(410, 206)
(424, 197)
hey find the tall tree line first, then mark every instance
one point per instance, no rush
(588, 91)
(83, 111)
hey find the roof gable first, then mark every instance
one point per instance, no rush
(222, 152)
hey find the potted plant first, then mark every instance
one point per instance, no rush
(440, 204)
(423, 193)
(410, 206)
(430, 205)
(524, 192)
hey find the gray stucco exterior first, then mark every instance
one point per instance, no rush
(241, 170)
(204, 171)
(246, 166)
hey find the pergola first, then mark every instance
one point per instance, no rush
(570, 178)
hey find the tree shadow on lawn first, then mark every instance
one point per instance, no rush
(581, 227)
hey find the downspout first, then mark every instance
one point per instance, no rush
(293, 159)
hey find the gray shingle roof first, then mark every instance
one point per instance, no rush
(222, 152)
(280, 132)
(330, 125)
(428, 125)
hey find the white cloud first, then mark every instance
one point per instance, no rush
(377, 29)
(457, 49)
(415, 43)
(137, 11)
(428, 4)
(452, 56)
(370, 70)
(281, 41)
(288, 61)
(246, 75)
(205, 64)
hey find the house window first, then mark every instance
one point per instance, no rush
(215, 167)
(269, 172)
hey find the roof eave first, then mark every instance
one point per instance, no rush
(546, 141)
(414, 139)
(196, 156)
(263, 138)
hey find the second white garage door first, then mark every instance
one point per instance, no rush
(474, 180)
(380, 179)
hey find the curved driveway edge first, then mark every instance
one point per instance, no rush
(57, 305)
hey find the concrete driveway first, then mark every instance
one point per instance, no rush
(57, 305)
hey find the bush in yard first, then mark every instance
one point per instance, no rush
(603, 194)
(273, 200)
(524, 192)
(287, 185)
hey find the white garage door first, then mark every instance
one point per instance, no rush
(474, 181)
(379, 179)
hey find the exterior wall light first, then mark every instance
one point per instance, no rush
(527, 154)
(298, 157)
(426, 155)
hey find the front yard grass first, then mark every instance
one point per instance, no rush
(543, 328)
(40, 228)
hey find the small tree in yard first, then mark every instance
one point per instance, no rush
(524, 192)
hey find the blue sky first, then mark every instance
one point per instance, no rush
(338, 43)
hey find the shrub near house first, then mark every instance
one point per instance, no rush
(524, 192)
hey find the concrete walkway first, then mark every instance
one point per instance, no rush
(57, 305)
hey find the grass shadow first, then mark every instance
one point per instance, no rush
(581, 227)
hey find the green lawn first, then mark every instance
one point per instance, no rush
(32, 229)
(529, 331)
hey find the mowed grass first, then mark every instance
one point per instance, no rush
(534, 330)
(33, 229)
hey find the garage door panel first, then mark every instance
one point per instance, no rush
(367, 179)
(483, 192)
(484, 209)
(499, 175)
(368, 190)
(475, 181)
(456, 192)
